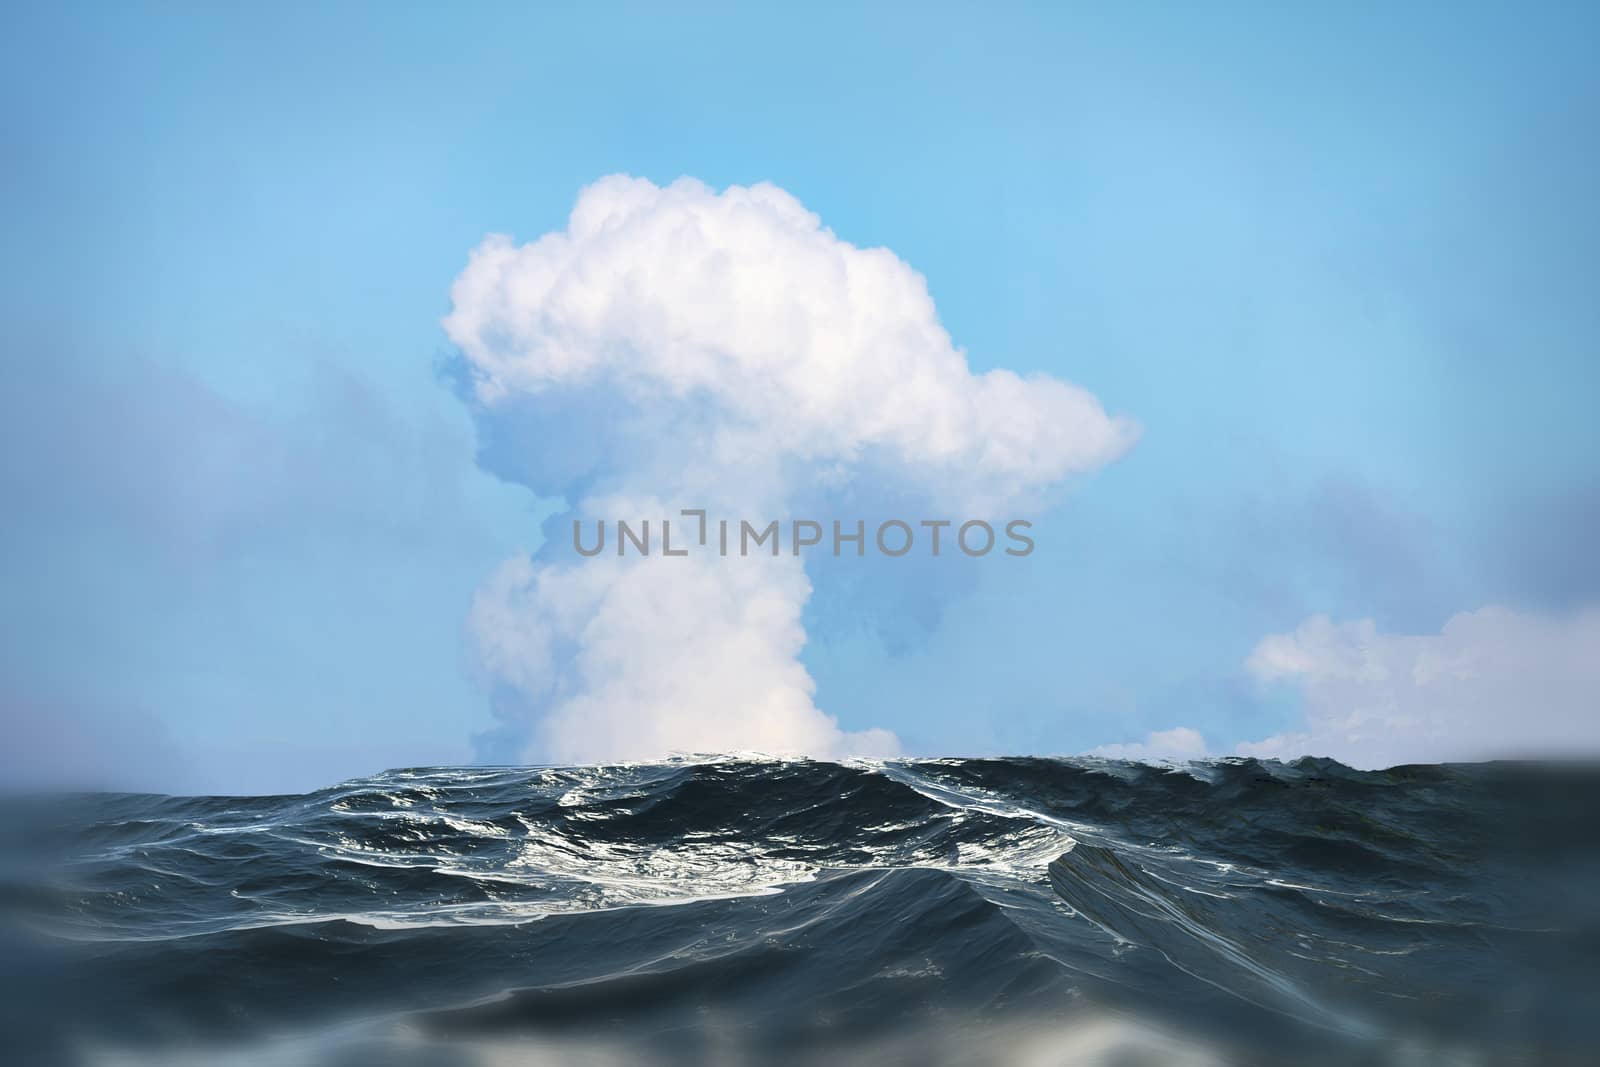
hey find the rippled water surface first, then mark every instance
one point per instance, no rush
(1038, 911)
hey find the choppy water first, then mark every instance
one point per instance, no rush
(729, 911)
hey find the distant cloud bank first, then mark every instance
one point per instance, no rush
(1493, 683)
(1175, 745)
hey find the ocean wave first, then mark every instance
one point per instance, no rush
(783, 907)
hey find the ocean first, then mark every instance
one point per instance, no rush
(737, 910)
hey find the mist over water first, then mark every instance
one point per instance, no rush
(743, 910)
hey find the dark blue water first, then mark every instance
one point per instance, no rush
(962, 911)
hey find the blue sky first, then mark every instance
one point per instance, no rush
(1338, 265)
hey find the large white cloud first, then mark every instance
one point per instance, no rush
(1492, 683)
(767, 336)
(683, 347)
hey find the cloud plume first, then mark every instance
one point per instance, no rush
(681, 347)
